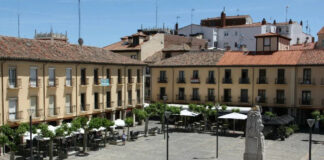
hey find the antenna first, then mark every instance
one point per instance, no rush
(80, 40)
(156, 13)
(18, 25)
(238, 11)
(192, 10)
(287, 13)
(178, 17)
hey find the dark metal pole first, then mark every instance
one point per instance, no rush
(217, 139)
(167, 139)
(31, 139)
(163, 120)
(310, 143)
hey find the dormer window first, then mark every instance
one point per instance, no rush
(267, 41)
(271, 42)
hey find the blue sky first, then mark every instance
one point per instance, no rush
(105, 21)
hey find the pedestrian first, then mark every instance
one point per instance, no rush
(124, 137)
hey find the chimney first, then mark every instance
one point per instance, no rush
(274, 22)
(313, 39)
(223, 19)
(290, 21)
(176, 29)
(301, 23)
(264, 21)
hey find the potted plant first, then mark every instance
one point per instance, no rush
(129, 122)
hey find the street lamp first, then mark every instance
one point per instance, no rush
(216, 107)
(31, 112)
(165, 98)
(167, 116)
(310, 124)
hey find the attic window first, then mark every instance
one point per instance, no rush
(267, 41)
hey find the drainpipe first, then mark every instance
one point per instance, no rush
(125, 92)
(218, 86)
(44, 95)
(76, 90)
(252, 86)
(2, 96)
(103, 91)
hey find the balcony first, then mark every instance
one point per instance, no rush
(138, 80)
(52, 112)
(261, 100)
(243, 99)
(96, 82)
(121, 80)
(147, 84)
(69, 82)
(139, 101)
(14, 84)
(109, 105)
(163, 80)
(244, 81)
(15, 116)
(280, 81)
(305, 102)
(84, 107)
(262, 80)
(303, 81)
(160, 97)
(226, 98)
(69, 110)
(37, 113)
(139, 85)
(279, 100)
(131, 80)
(210, 81)
(181, 80)
(131, 102)
(322, 82)
(35, 83)
(195, 97)
(180, 97)
(210, 98)
(97, 107)
(227, 80)
(195, 80)
(84, 82)
(52, 83)
(120, 103)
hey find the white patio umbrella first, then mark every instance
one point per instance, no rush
(119, 123)
(234, 116)
(185, 113)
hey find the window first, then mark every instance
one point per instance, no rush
(129, 72)
(211, 78)
(33, 105)
(236, 33)
(108, 74)
(244, 96)
(138, 95)
(51, 76)
(83, 102)
(108, 99)
(96, 76)
(181, 95)
(168, 55)
(225, 34)
(68, 74)
(227, 95)
(119, 97)
(138, 76)
(195, 94)
(12, 77)
(226, 45)
(306, 98)
(33, 77)
(211, 96)
(307, 76)
(133, 57)
(236, 45)
(96, 100)
(266, 41)
(130, 97)
(195, 74)
(227, 77)
(298, 40)
(281, 76)
(68, 106)
(262, 76)
(162, 93)
(262, 96)
(162, 78)
(119, 76)
(147, 70)
(83, 77)
(181, 77)
(244, 77)
(51, 106)
(280, 97)
(13, 113)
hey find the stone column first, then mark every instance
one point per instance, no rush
(113, 116)
(134, 119)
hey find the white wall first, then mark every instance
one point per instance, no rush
(209, 33)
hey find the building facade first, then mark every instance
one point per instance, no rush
(57, 81)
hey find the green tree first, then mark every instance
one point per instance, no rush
(81, 122)
(107, 124)
(224, 107)
(140, 114)
(129, 122)
(46, 133)
(151, 110)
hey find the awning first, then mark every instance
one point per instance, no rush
(234, 115)
(188, 113)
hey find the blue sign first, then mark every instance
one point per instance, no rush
(104, 82)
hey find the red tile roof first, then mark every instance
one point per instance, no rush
(302, 46)
(122, 46)
(269, 34)
(227, 17)
(312, 57)
(12, 48)
(194, 43)
(321, 31)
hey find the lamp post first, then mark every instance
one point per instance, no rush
(167, 116)
(310, 124)
(165, 98)
(30, 112)
(216, 107)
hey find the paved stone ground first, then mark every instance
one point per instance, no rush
(188, 146)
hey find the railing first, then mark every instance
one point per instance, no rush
(181, 98)
(181, 80)
(84, 81)
(15, 85)
(163, 80)
(305, 102)
(195, 80)
(69, 109)
(131, 80)
(244, 99)
(262, 80)
(99, 106)
(111, 81)
(138, 80)
(227, 81)
(195, 97)
(306, 81)
(139, 101)
(138, 85)
(53, 111)
(96, 81)
(210, 98)
(210, 81)
(261, 100)
(52, 82)
(69, 83)
(279, 100)
(120, 103)
(84, 107)
(244, 80)
(121, 80)
(280, 81)
(131, 102)
(110, 104)
(147, 84)
(227, 98)
(35, 83)
(36, 113)
(16, 116)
